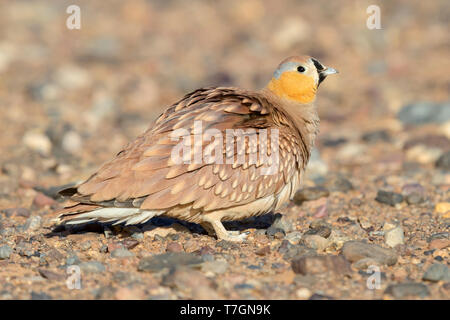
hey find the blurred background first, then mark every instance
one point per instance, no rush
(70, 99)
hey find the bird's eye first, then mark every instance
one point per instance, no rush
(300, 69)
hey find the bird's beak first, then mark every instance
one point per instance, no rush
(327, 71)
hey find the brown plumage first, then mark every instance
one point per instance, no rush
(144, 180)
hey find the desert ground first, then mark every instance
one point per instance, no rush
(371, 220)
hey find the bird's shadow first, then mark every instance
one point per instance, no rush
(260, 222)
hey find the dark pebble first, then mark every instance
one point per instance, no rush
(40, 296)
(444, 162)
(338, 183)
(320, 228)
(387, 197)
(419, 113)
(275, 232)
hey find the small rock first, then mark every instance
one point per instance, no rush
(19, 212)
(443, 208)
(168, 260)
(321, 211)
(40, 296)
(376, 136)
(33, 223)
(338, 183)
(357, 250)
(308, 194)
(85, 245)
(275, 232)
(92, 267)
(72, 142)
(315, 242)
(226, 245)
(294, 237)
(125, 293)
(186, 279)
(365, 263)
(443, 162)
(419, 113)
(303, 293)
(215, 267)
(50, 275)
(387, 197)
(321, 264)
(38, 142)
(174, 247)
(437, 272)
(403, 290)
(5, 252)
(414, 193)
(263, 251)
(320, 228)
(439, 244)
(73, 260)
(41, 200)
(121, 253)
(394, 237)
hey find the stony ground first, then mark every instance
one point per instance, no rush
(375, 197)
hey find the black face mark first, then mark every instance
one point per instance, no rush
(319, 68)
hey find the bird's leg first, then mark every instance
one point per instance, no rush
(221, 232)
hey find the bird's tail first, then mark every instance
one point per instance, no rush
(85, 213)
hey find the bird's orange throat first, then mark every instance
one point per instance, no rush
(294, 86)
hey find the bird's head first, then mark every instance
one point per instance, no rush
(297, 78)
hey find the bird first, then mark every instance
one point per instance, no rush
(258, 144)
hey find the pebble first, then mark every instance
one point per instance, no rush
(168, 260)
(121, 253)
(294, 237)
(19, 212)
(174, 247)
(376, 136)
(443, 162)
(73, 260)
(263, 251)
(214, 267)
(85, 245)
(125, 293)
(357, 250)
(443, 208)
(321, 264)
(315, 242)
(338, 183)
(41, 200)
(308, 194)
(38, 142)
(5, 252)
(403, 290)
(365, 263)
(275, 232)
(92, 267)
(394, 237)
(40, 296)
(72, 142)
(414, 193)
(226, 245)
(303, 293)
(187, 280)
(419, 113)
(320, 228)
(439, 244)
(437, 272)
(33, 223)
(387, 197)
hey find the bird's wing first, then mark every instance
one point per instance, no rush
(145, 174)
